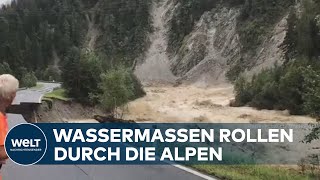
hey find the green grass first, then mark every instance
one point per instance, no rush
(59, 94)
(253, 172)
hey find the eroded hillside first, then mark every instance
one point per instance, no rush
(208, 41)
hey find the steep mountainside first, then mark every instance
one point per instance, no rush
(206, 52)
(210, 41)
(202, 41)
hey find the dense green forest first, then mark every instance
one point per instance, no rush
(125, 25)
(47, 40)
(296, 84)
(32, 29)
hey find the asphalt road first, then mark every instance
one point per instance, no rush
(11, 171)
(34, 95)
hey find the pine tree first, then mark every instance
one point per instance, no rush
(290, 42)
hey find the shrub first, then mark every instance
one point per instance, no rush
(267, 98)
(5, 68)
(81, 76)
(291, 89)
(137, 87)
(311, 97)
(29, 80)
(262, 91)
(242, 92)
(118, 86)
(295, 87)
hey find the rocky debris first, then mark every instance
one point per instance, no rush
(208, 52)
(93, 30)
(155, 69)
(208, 49)
(270, 52)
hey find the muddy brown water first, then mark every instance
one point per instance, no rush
(198, 104)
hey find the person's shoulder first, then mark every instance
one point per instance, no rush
(3, 117)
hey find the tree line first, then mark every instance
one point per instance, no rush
(30, 30)
(295, 85)
(37, 35)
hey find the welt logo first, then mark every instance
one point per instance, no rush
(25, 143)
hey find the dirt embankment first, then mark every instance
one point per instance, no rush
(195, 104)
(67, 112)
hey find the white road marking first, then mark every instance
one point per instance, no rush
(194, 172)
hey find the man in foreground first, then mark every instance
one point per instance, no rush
(8, 88)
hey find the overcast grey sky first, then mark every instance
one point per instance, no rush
(4, 1)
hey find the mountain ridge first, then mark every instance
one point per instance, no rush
(204, 41)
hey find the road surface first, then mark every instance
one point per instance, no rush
(11, 171)
(34, 95)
